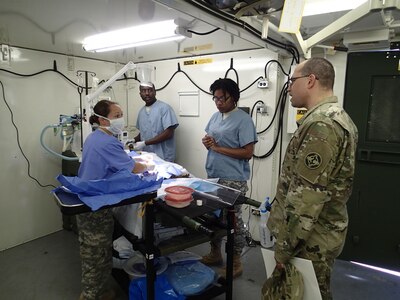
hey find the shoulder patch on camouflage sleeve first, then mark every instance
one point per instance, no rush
(313, 160)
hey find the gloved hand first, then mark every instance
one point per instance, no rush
(150, 166)
(139, 145)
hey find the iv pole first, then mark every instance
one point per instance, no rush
(86, 88)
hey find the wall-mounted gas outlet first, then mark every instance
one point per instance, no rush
(262, 109)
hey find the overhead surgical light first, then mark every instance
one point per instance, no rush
(153, 33)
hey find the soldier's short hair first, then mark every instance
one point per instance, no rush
(322, 69)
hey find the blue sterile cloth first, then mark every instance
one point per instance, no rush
(203, 186)
(168, 170)
(165, 169)
(133, 153)
(190, 278)
(162, 288)
(119, 186)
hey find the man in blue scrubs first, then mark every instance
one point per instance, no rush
(156, 122)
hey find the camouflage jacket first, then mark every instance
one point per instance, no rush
(309, 216)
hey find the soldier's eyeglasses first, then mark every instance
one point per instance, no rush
(293, 79)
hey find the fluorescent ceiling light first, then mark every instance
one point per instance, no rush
(153, 33)
(317, 7)
(292, 14)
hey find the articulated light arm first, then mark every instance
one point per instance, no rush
(129, 66)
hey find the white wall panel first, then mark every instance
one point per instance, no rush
(28, 211)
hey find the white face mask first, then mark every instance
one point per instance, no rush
(116, 125)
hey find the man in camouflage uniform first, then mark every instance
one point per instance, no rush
(309, 215)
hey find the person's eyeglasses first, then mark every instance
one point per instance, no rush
(223, 99)
(293, 79)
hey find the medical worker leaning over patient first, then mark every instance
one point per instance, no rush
(230, 140)
(103, 155)
(156, 122)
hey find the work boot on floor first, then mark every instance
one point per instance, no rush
(214, 258)
(237, 268)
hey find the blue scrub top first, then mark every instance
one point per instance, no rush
(235, 131)
(102, 156)
(151, 123)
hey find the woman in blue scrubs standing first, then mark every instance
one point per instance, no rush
(103, 155)
(230, 140)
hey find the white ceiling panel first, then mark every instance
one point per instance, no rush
(60, 26)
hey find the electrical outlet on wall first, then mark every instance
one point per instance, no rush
(262, 83)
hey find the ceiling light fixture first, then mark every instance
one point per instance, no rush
(153, 33)
(292, 14)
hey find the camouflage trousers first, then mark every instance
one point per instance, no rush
(323, 270)
(239, 236)
(95, 240)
